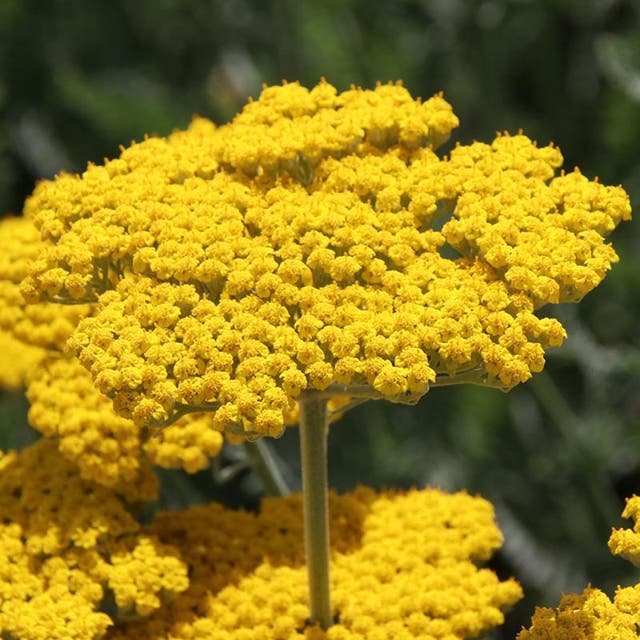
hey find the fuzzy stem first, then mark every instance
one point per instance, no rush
(313, 450)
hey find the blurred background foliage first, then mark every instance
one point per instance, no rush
(556, 456)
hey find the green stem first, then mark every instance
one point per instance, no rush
(313, 449)
(265, 465)
(567, 423)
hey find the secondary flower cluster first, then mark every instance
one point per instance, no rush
(592, 614)
(26, 330)
(66, 542)
(65, 404)
(316, 244)
(403, 567)
(75, 563)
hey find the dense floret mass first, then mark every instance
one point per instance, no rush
(317, 244)
(65, 543)
(404, 566)
(108, 448)
(42, 325)
(74, 563)
(590, 615)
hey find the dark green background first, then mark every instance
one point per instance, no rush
(556, 456)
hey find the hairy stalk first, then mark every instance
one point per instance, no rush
(313, 450)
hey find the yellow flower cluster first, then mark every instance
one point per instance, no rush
(588, 616)
(66, 543)
(26, 330)
(64, 401)
(75, 564)
(107, 448)
(404, 566)
(317, 244)
(592, 615)
(626, 542)
(20, 359)
(41, 324)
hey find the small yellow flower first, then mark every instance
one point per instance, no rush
(592, 614)
(626, 542)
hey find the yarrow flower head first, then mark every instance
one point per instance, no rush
(75, 563)
(592, 615)
(316, 244)
(425, 584)
(65, 543)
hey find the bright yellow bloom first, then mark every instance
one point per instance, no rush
(588, 616)
(401, 563)
(403, 566)
(626, 542)
(63, 542)
(44, 325)
(592, 615)
(107, 448)
(18, 360)
(317, 244)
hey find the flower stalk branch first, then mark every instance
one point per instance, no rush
(313, 450)
(265, 465)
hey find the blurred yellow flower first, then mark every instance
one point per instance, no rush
(43, 325)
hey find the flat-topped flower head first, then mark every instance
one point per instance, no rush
(317, 244)
(404, 565)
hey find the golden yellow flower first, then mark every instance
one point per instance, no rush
(592, 615)
(317, 244)
(626, 542)
(404, 565)
(63, 542)
(588, 616)
(109, 449)
(19, 358)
